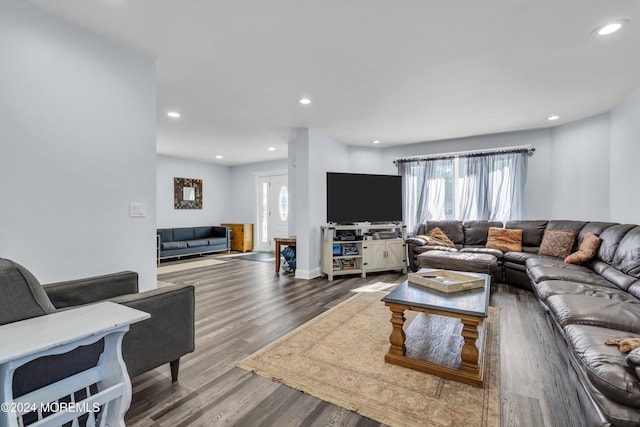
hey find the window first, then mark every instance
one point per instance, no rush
(283, 205)
(472, 187)
(265, 211)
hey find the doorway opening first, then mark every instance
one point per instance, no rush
(272, 209)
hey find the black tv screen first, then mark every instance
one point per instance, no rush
(353, 197)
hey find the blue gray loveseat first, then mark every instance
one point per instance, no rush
(176, 242)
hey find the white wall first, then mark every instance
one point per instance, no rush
(625, 160)
(77, 140)
(216, 192)
(585, 170)
(366, 160)
(315, 154)
(243, 198)
(580, 170)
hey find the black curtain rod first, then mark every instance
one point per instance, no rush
(521, 149)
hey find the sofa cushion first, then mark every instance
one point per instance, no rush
(453, 229)
(516, 261)
(557, 243)
(532, 231)
(549, 261)
(202, 232)
(615, 276)
(437, 237)
(521, 257)
(476, 232)
(614, 309)
(197, 243)
(565, 225)
(459, 261)
(422, 240)
(634, 289)
(557, 287)
(627, 256)
(422, 249)
(483, 250)
(217, 241)
(594, 227)
(605, 366)
(504, 239)
(166, 234)
(173, 245)
(569, 272)
(587, 250)
(611, 238)
(183, 234)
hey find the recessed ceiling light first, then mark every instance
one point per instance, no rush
(375, 142)
(552, 118)
(271, 148)
(218, 156)
(609, 28)
(173, 114)
(305, 101)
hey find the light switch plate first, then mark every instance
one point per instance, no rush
(136, 209)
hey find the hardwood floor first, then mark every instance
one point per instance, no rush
(241, 306)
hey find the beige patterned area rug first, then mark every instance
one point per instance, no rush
(339, 357)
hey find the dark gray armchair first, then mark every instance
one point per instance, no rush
(163, 338)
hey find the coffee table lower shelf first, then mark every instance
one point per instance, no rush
(439, 343)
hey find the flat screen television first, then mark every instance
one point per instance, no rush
(353, 197)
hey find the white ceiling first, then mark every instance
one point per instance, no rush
(400, 71)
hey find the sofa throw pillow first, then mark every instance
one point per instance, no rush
(437, 237)
(587, 250)
(557, 243)
(505, 239)
(625, 345)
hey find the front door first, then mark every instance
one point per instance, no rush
(273, 210)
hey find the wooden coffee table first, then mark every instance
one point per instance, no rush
(446, 311)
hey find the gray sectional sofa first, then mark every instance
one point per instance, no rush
(585, 304)
(177, 242)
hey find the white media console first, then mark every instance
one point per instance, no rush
(379, 247)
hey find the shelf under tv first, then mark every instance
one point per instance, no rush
(373, 255)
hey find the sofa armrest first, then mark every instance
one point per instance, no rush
(415, 241)
(91, 289)
(220, 231)
(633, 361)
(167, 335)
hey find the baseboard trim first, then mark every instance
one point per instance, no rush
(308, 274)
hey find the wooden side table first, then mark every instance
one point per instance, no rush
(242, 236)
(283, 241)
(59, 333)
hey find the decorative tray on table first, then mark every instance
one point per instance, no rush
(445, 281)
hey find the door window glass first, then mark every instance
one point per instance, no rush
(283, 204)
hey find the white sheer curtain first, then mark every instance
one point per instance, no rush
(492, 187)
(426, 184)
(479, 187)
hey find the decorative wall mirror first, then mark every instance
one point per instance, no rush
(187, 193)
